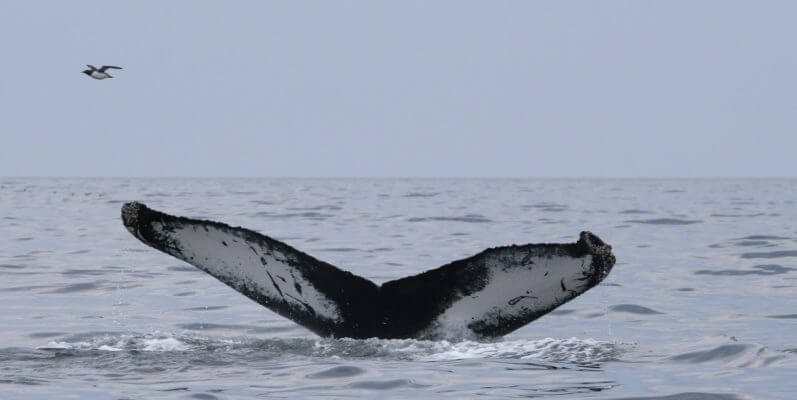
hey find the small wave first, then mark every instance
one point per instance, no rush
(164, 344)
(421, 194)
(200, 326)
(205, 308)
(749, 243)
(85, 272)
(46, 334)
(317, 208)
(81, 251)
(738, 215)
(183, 268)
(688, 396)
(763, 237)
(340, 371)
(634, 309)
(77, 287)
(765, 270)
(386, 384)
(307, 214)
(22, 380)
(635, 211)
(25, 288)
(338, 249)
(473, 218)
(665, 221)
(547, 207)
(771, 254)
(732, 354)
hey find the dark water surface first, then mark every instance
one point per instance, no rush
(702, 303)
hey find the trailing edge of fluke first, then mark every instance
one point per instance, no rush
(489, 294)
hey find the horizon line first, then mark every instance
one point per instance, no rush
(413, 177)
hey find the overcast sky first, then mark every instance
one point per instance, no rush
(400, 88)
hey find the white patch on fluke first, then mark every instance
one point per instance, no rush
(244, 264)
(539, 285)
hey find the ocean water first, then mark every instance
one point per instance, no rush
(702, 303)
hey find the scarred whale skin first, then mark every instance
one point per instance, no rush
(487, 295)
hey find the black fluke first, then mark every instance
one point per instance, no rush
(489, 294)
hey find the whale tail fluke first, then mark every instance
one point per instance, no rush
(490, 294)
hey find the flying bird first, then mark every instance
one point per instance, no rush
(99, 73)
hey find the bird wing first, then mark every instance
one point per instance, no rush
(93, 68)
(490, 294)
(104, 67)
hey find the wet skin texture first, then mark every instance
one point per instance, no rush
(409, 307)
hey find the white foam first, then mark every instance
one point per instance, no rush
(57, 346)
(164, 344)
(573, 349)
(151, 342)
(563, 350)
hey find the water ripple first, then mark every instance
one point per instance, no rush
(771, 254)
(634, 309)
(387, 385)
(767, 269)
(340, 371)
(472, 218)
(763, 237)
(735, 354)
(687, 396)
(421, 194)
(665, 221)
(77, 287)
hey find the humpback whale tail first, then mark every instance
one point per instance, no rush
(489, 294)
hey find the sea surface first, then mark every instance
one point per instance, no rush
(702, 303)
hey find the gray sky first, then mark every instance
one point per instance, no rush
(400, 88)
